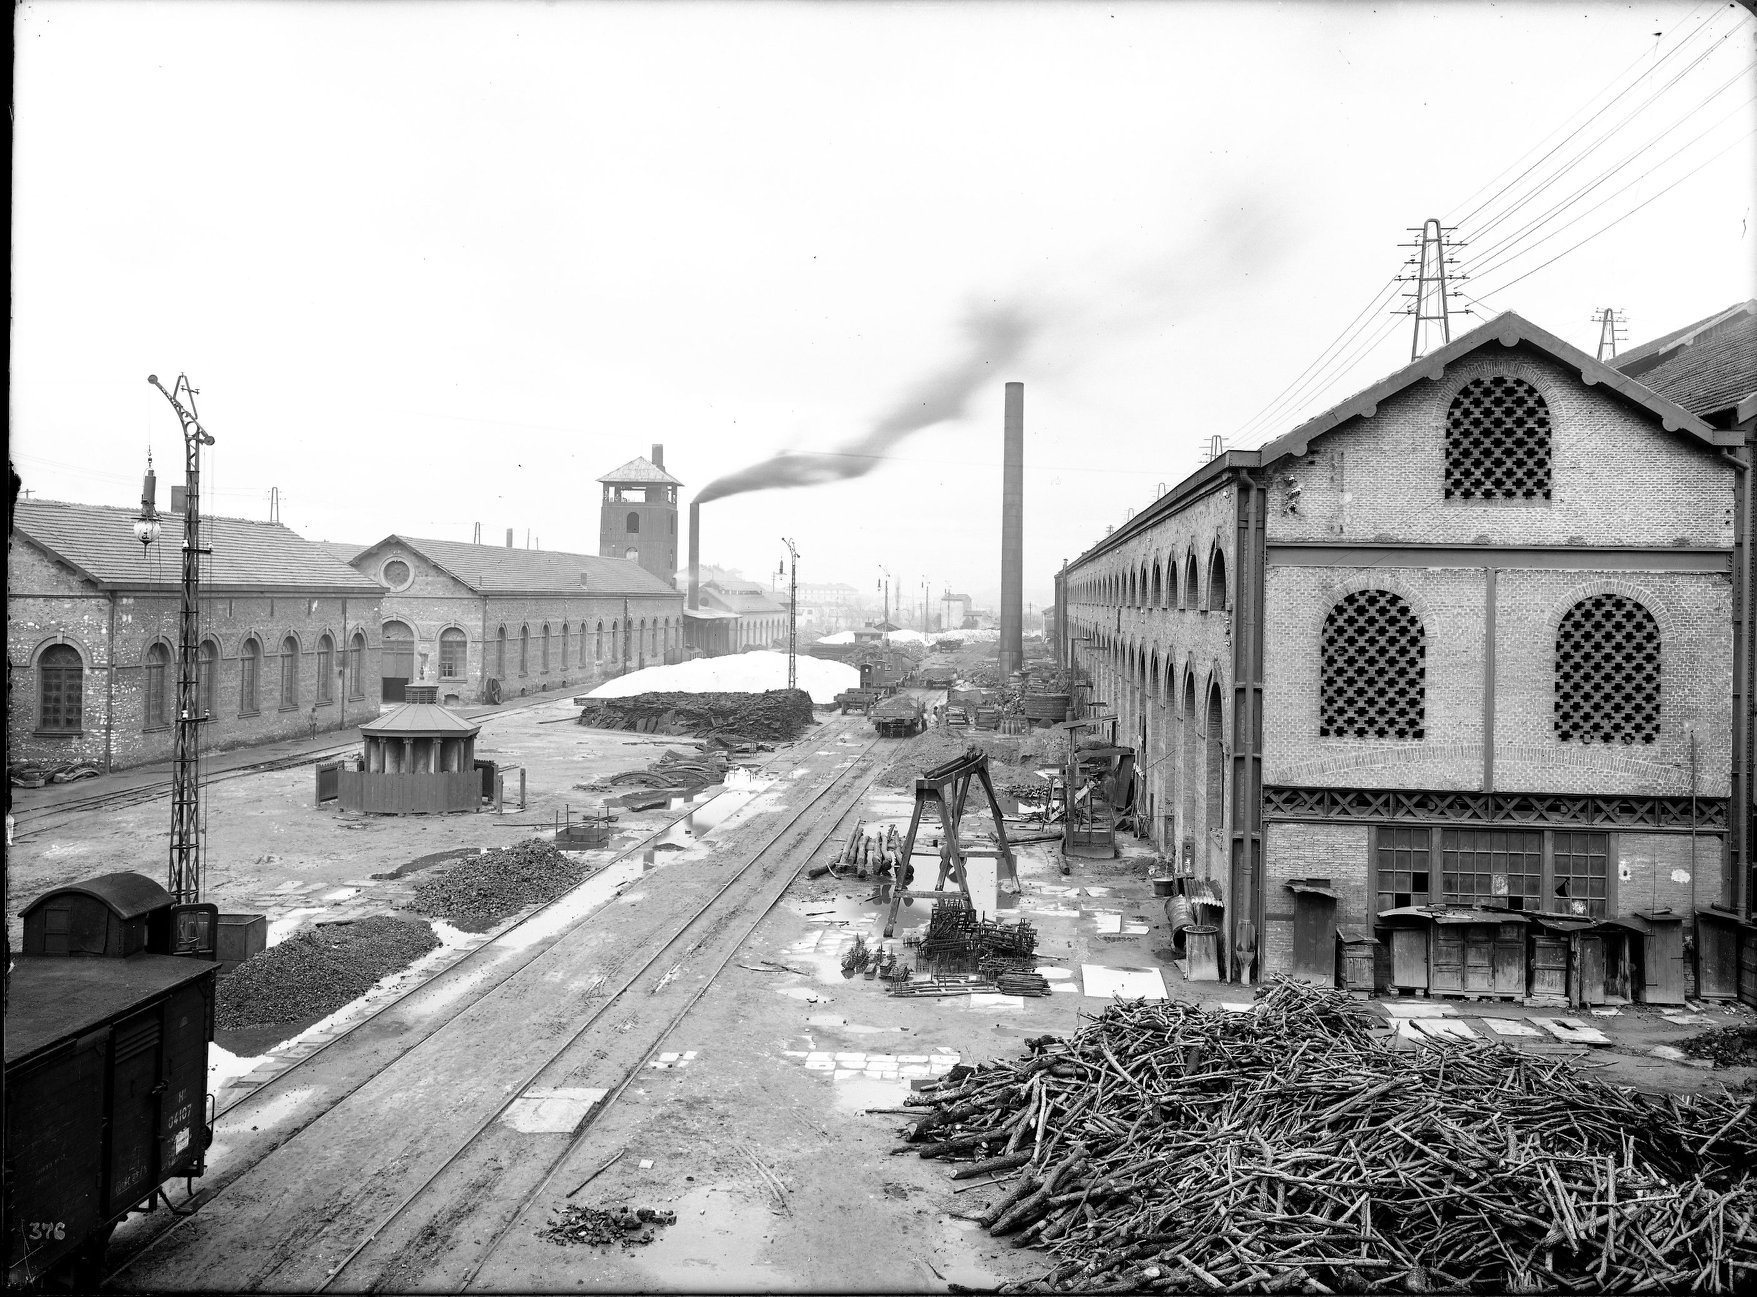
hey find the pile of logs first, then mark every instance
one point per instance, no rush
(776, 716)
(1289, 1148)
(869, 854)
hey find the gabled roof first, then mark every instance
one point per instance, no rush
(342, 549)
(495, 569)
(639, 471)
(1638, 360)
(1509, 329)
(740, 598)
(420, 718)
(98, 542)
(1714, 372)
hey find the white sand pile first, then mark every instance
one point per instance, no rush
(738, 673)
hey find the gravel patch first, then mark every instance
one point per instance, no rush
(1726, 1046)
(316, 971)
(481, 890)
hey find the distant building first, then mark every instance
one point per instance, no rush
(955, 611)
(638, 518)
(289, 636)
(486, 622)
(828, 605)
(761, 619)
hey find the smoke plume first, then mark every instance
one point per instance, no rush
(993, 339)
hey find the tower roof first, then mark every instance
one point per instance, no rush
(639, 471)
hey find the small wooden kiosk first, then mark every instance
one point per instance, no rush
(418, 760)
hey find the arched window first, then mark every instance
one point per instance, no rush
(249, 677)
(598, 644)
(326, 669)
(545, 648)
(152, 715)
(564, 629)
(357, 666)
(1158, 584)
(1171, 600)
(632, 554)
(60, 690)
(289, 672)
(454, 652)
(634, 523)
(1373, 676)
(1498, 441)
(1146, 590)
(398, 653)
(500, 653)
(524, 650)
(208, 680)
(1192, 587)
(1607, 672)
(1217, 581)
(615, 641)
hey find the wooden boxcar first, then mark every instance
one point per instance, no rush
(106, 1068)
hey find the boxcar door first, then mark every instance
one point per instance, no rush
(183, 1112)
(54, 1156)
(135, 1088)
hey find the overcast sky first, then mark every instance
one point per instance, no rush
(438, 264)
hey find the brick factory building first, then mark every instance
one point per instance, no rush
(289, 641)
(761, 617)
(1458, 651)
(486, 622)
(638, 516)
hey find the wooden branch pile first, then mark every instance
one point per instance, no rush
(1291, 1150)
(776, 716)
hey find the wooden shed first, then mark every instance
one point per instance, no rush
(419, 760)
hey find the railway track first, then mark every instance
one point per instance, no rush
(399, 1225)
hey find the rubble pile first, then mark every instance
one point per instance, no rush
(1724, 1046)
(602, 1226)
(1289, 1148)
(34, 774)
(317, 970)
(673, 769)
(776, 716)
(480, 890)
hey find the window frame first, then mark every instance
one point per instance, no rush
(1454, 468)
(154, 695)
(357, 666)
(63, 672)
(1428, 842)
(462, 662)
(289, 675)
(250, 677)
(326, 665)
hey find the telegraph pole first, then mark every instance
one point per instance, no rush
(1610, 323)
(185, 862)
(792, 615)
(1430, 306)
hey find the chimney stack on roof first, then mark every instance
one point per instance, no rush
(658, 455)
(509, 537)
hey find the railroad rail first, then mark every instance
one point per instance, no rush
(394, 1242)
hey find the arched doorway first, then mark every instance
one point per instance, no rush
(398, 658)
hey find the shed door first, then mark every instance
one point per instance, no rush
(1314, 938)
(134, 1111)
(1549, 966)
(1664, 963)
(1510, 959)
(1591, 969)
(1479, 958)
(1409, 958)
(1448, 959)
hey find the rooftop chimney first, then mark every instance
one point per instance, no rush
(658, 455)
(695, 555)
(1012, 650)
(509, 537)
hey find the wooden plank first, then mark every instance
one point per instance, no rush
(1664, 963)
(1409, 958)
(1591, 949)
(1479, 958)
(1446, 971)
(1508, 973)
(1314, 938)
(1717, 959)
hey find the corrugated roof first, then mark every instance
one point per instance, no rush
(639, 471)
(1712, 373)
(1637, 360)
(98, 541)
(495, 569)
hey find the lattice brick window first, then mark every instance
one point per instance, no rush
(1498, 441)
(1607, 672)
(1373, 681)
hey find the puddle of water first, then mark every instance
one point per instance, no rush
(958, 1260)
(695, 826)
(713, 1247)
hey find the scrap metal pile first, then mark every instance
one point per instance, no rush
(1290, 1149)
(956, 940)
(672, 770)
(775, 716)
(602, 1226)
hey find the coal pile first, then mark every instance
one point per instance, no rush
(316, 971)
(604, 1226)
(1724, 1046)
(1291, 1149)
(776, 715)
(481, 890)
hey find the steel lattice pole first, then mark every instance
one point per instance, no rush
(185, 854)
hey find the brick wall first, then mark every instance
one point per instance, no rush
(1656, 871)
(47, 604)
(1338, 852)
(1618, 478)
(433, 602)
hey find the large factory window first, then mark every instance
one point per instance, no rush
(633, 524)
(326, 665)
(564, 635)
(1498, 441)
(1405, 876)
(61, 690)
(289, 673)
(357, 666)
(545, 648)
(524, 650)
(1373, 677)
(249, 677)
(453, 653)
(208, 680)
(1581, 873)
(1499, 866)
(158, 657)
(500, 654)
(1607, 672)
(598, 644)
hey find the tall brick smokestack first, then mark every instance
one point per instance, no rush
(658, 455)
(695, 555)
(1012, 651)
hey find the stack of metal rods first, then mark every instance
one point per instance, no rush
(1292, 1148)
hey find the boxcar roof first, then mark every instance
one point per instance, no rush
(128, 893)
(54, 996)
